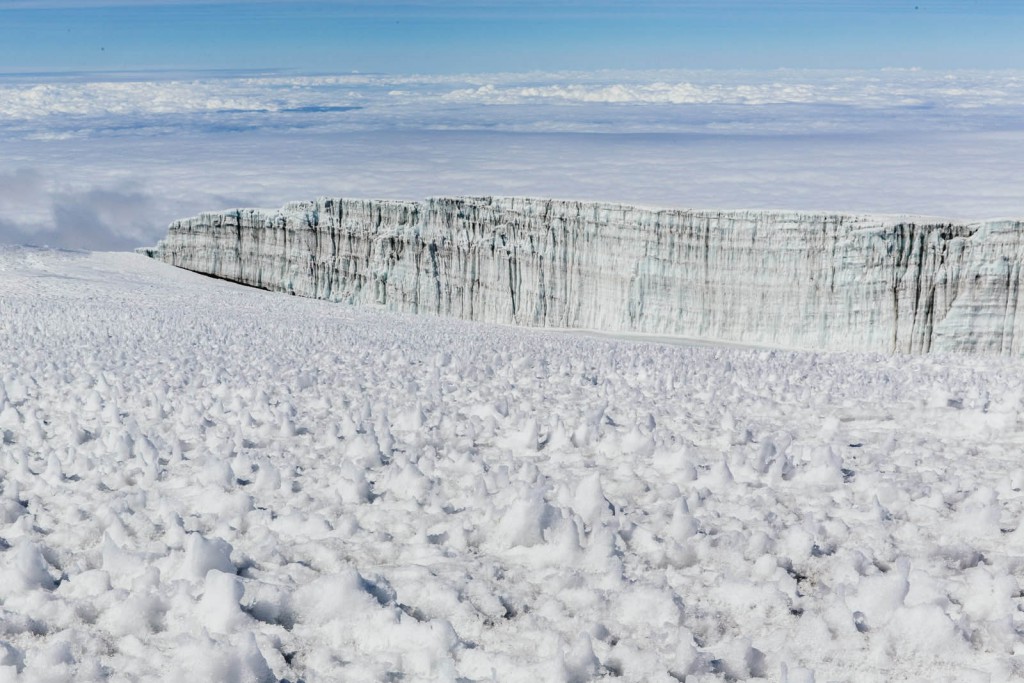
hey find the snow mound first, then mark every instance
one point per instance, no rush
(201, 481)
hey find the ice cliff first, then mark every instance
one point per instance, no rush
(803, 280)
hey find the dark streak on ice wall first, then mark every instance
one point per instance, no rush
(805, 280)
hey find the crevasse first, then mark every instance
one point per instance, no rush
(791, 279)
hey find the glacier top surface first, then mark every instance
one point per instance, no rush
(302, 207)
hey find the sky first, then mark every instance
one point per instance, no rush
(118, 117)
(503, 35)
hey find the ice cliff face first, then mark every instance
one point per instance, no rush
(805, 280)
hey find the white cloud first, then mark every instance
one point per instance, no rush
(447, 101)
(110, 163)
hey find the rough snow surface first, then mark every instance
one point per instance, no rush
(790, 279)
(202, 481)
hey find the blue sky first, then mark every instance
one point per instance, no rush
(459, 35)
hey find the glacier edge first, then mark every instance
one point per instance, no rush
(814, 280)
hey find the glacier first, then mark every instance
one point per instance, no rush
(803, 280)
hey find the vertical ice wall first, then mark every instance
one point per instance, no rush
(807, 280)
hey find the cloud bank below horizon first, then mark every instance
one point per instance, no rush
(106, 161)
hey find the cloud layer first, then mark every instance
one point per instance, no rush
(404, 99)
(107, 161)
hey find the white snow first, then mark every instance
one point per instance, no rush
(202, 481)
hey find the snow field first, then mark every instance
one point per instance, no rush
(206, 482)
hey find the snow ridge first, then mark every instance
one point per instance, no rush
(792, 279)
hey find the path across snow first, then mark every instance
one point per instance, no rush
(202, 481)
